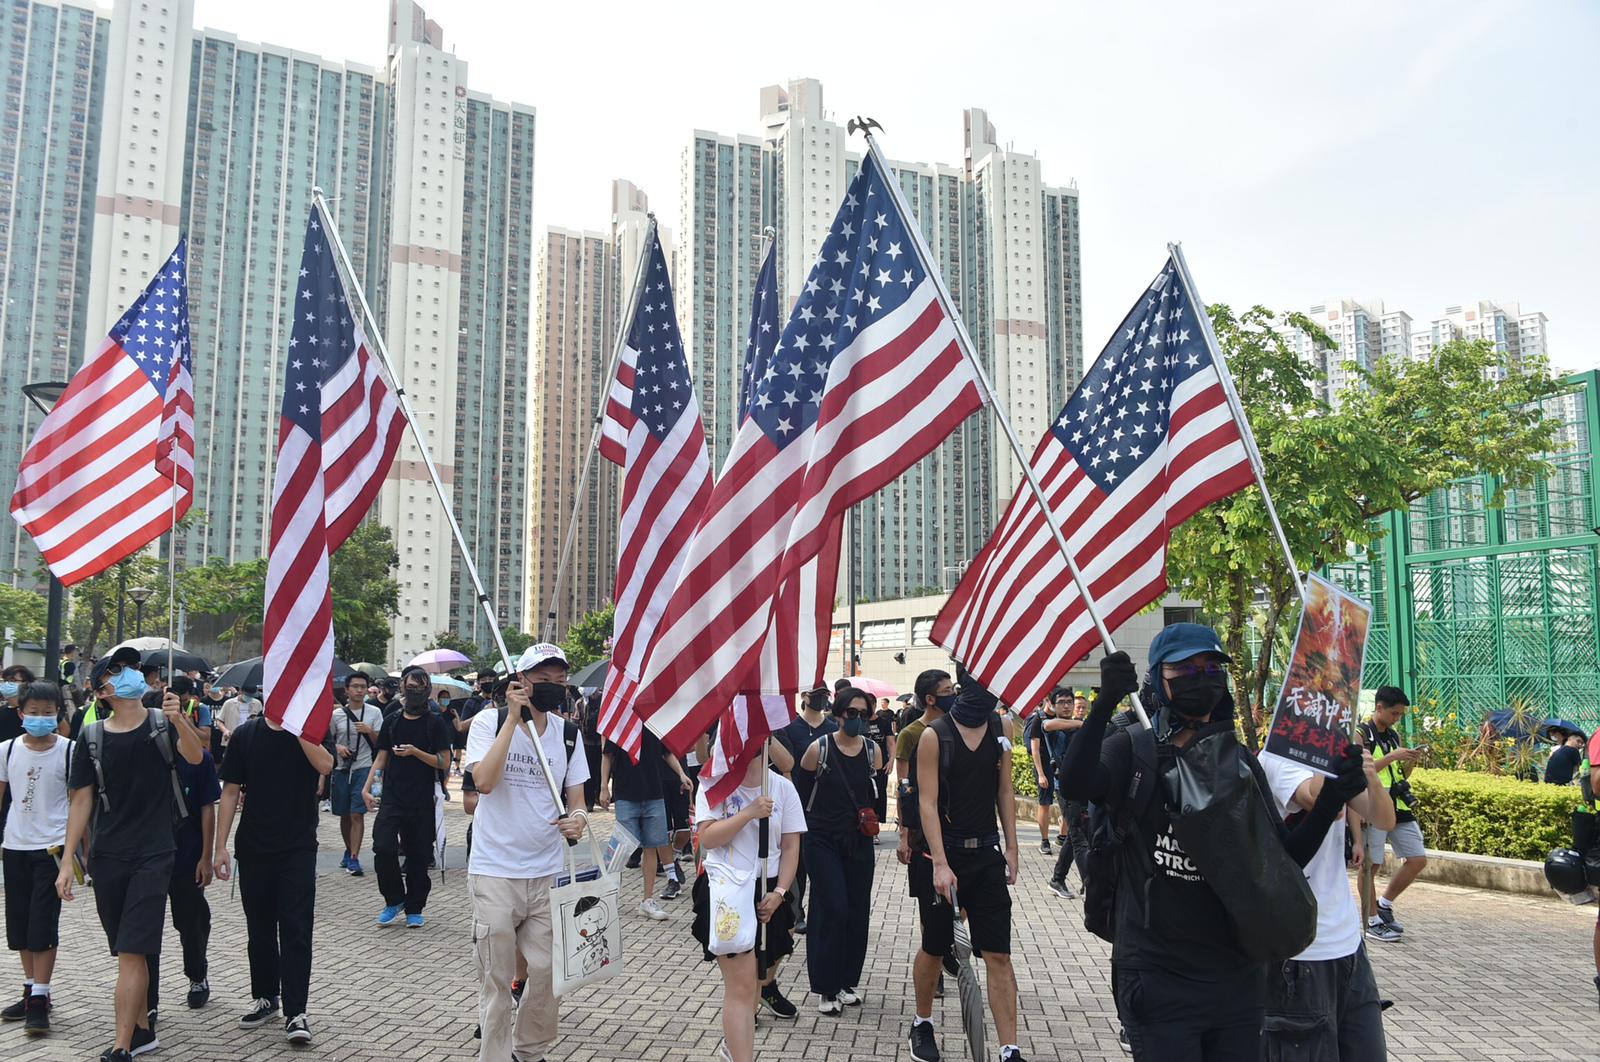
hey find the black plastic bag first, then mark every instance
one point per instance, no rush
(1225, 823)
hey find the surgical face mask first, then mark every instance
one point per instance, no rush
(128, 684)
(548, 696)
(8, 689)
(945, 703)
(1197, 696)
(39, 725)
(855, 726)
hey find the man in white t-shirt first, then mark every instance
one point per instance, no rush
(518, 847)
(1324, 1003)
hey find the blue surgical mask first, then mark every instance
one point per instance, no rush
(39, 725)
(8, 689)
(128, 684)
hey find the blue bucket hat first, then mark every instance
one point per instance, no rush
(1180, 641)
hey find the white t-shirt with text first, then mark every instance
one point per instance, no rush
(740, 854)
(513, 832)
(1338, 917)
(37, 782)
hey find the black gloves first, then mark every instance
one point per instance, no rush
(1350, 778)
(1117, 680)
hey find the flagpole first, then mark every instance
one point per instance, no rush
(375, 333)
(1236, 407)
(964, 341)
(764, 844)
(639, 284)
(172, 567)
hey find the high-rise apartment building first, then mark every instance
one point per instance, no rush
(1513, 333)
(1008, 247)
(185, 131)
(55, 58)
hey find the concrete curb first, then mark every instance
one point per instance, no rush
(1524, 877)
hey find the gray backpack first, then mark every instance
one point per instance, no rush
(94, 742)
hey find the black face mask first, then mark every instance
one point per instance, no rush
(416, 701)
(1197, 696)
(548, 696)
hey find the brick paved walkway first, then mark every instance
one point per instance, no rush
(1475, 979)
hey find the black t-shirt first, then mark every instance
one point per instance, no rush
(1186, 930)
(636, 781)
(797, 737)
(1561, 765)
(200, 790)
(408, 782)
(843, 786)
(881, 730)
(280, 809)
(139, 821)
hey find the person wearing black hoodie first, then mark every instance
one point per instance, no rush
(413, 747)
(1186, 990)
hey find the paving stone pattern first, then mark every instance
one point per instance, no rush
(1480, 976)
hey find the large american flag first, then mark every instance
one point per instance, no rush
(1145, 441)
(867, 378)
(651, 427)
(96, 485)
(337, 434)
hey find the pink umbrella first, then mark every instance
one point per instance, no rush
(438, 660)
(876, 687)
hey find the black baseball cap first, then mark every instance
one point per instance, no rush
(126, 656)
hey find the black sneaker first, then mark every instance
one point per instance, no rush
(115, 1054)
(259, 1013)
(938, 989)
(297, 1030)
(1044, 846)
(1015, 1056)
(773, 1000)
(800, 924)
(672, 890)
(1061, 888)
(18, 1010)
(924, 1045)
(199, 993)
(37, 1020)
(636, 860)
(1122, 1039)
(144, 1041)
(1386, 916)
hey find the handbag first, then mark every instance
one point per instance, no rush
(732, 910)
(586, 924)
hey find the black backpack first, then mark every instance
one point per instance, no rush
(1109, 854)
(93, 740)
(570, 733)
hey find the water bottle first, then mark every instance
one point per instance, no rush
(377, 785)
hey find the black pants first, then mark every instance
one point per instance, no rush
(409, 831)
(279, 897)
(841, 910)
(880, 799)
(1325, 1011)
(1176, 1019)
(591, 788)
(1075, 821)
(191, 917)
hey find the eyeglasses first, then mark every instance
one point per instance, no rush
(1188, 670)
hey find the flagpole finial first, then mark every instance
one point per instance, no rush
(317, 192)
(863, 123)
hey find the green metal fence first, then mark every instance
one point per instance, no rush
(1477, 607)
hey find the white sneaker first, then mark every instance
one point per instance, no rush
(651, 909)
(850, 997)
(830, 1006)
(723, 1054)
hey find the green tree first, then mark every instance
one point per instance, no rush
(24, 611)
(589, 639)
(366, 595)
(1401, 431)
(225, 590)
(93, 603)
(484, 659)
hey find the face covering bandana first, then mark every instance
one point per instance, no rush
(970, 715)
(945, 703)
(1197, 696)
(548, 696)
(128, 684)
(39, 725)
(416, 701)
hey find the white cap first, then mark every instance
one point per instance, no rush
(538, 654)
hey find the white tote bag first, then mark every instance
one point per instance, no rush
(586, 923)
(733, 910)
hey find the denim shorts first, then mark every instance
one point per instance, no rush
(645, 819)
(346, 792)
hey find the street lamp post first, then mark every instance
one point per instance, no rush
(139, 594)
(44, 397)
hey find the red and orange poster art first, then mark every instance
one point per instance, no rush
(1318, 700)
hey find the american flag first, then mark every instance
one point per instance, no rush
(1145, 441)
(867, 378)
(651, 427)
(96, 484)
(337, 434)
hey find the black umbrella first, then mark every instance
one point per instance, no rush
(248, 673)
(154, 651)
(591, 676)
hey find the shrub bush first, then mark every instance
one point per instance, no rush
(1023, 778)
(1481, 814)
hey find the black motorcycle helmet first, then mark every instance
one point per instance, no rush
(1564, 870)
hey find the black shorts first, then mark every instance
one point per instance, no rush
(982, 892)
(33, 909)
(780, 927)
(677, 802)
(131, 896)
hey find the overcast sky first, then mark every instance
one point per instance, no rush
(1423, 153)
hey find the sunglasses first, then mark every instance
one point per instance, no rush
(1190, 670)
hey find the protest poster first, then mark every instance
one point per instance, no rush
(1317, 703)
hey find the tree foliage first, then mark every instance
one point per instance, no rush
(24, 611)
(1401, 431)
(93, 603)
(589, 639)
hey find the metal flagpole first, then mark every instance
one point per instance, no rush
(1237, 409)
(964, 340)
(639, 284)
(172, 570)
(376, 335)
(764, 842)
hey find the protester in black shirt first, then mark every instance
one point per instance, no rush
(811, 723)
(413, 747)
(1185, 987)
(838, 852)
(1563, 762)
(277, 847)
(191, 874)
(881, 731)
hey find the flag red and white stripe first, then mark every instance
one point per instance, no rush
(337, 435)
(96, 483)
(651, 427)
(1146, 440)
(867, 378)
